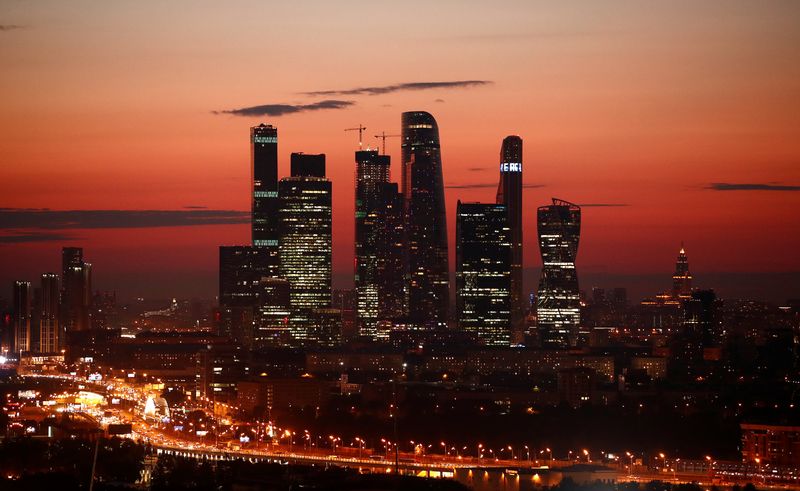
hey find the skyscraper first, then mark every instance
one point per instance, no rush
(426, 260)
(682, 279)
(76, 290)
(265, 204)
(372, 174)
(509, 193)
(305, 243)
(558, 300)
(49, 332)
(483, 272)
(22, 316)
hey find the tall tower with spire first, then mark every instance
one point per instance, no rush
(682, 279)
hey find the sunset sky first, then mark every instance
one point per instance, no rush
(669, 121)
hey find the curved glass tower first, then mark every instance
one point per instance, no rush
(426, 262)
(558, 302)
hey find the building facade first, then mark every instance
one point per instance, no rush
(305, 243)
(483, 272)
(558, 298)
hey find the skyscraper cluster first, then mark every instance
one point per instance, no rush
(277, 290)
(46, 317)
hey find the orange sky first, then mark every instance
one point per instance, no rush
(110, 105)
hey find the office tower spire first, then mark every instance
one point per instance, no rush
(426, 260)
(682, 279)
(483, 272)
(509, 193)
(558, 302)
(265, 203)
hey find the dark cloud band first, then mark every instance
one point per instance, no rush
(283, 109)
(386, 89)
(726, 186)
(26, 219)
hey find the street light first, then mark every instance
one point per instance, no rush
(586, 453)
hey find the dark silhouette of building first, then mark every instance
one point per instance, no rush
(22, 317)
(76, 291)
(372, 171)
(265, 204)
(305, 243)
(47, 306)
(240, 270)
(271, 317)
(558, 299)
(483, 272)
(426, 224)
(509, 193)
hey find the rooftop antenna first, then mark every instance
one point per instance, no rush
(360, 130)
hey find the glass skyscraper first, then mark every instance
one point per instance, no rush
(483, 272)
(265, 204)
(305, 244)
(427, 271)
(509, 193)
(558, 300)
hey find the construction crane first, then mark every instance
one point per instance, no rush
(383, 136)
(360, 130)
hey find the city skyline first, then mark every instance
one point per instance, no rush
(711, 160)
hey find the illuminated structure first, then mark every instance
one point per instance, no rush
(682, 279)
(372, 170)
(305, 243)
(558, 299)
(265, 204)
(76, 293)
(483, 272)
(427, 269)
(48, 314)
(509, 193)
(22, 316)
